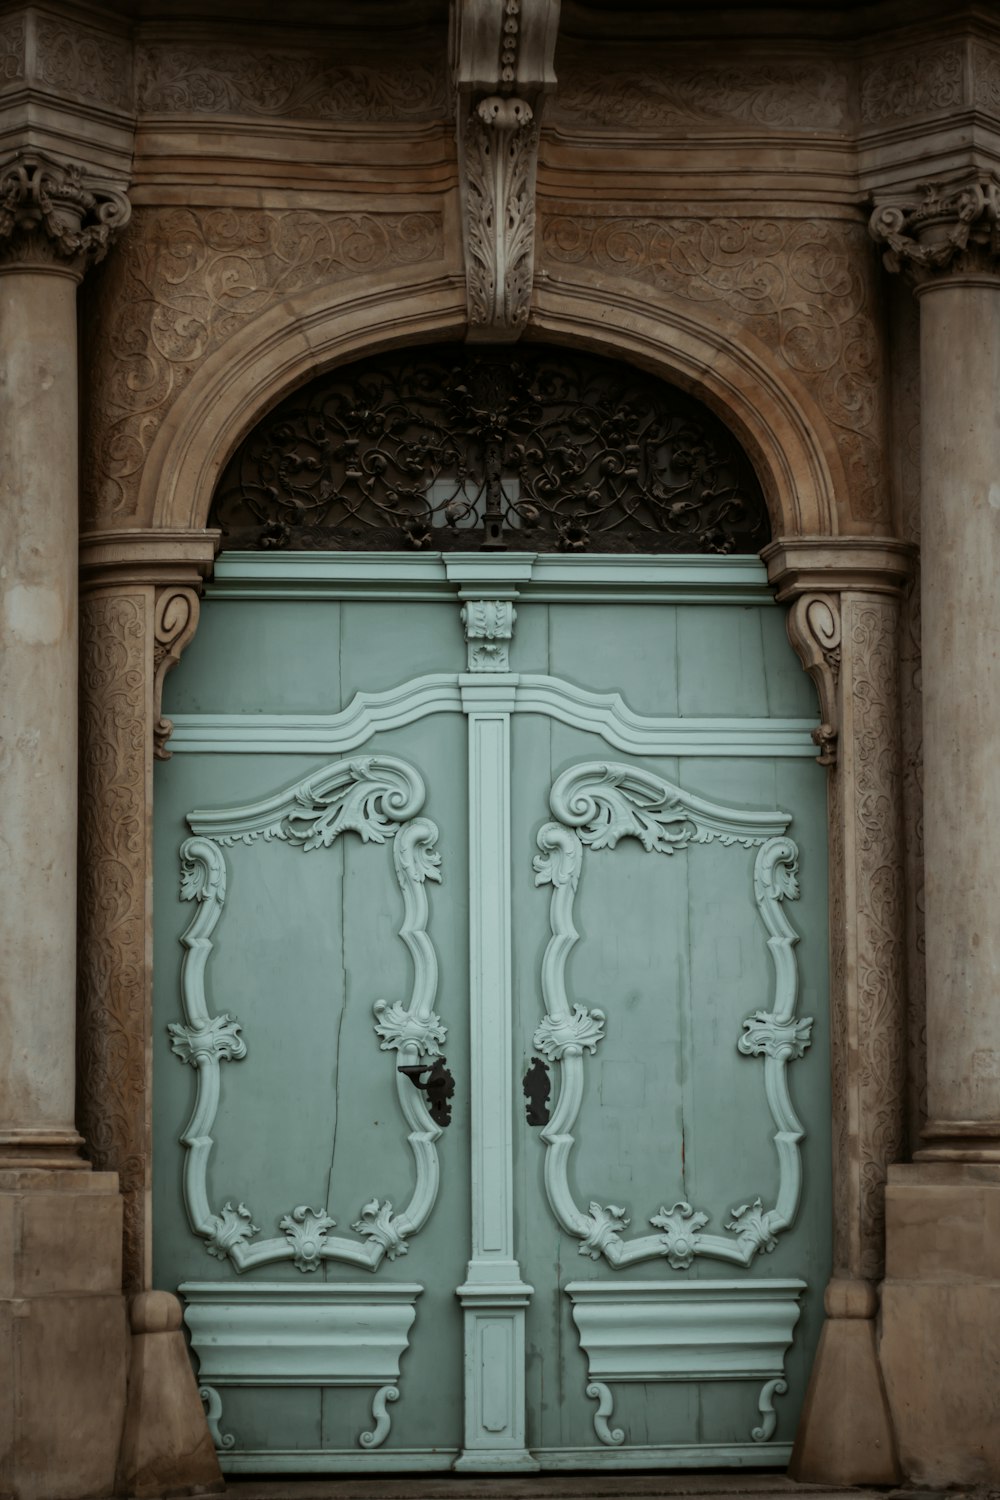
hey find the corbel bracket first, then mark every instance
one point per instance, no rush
(502, 52)
(814, 631)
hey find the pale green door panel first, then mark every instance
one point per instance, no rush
(313, 703)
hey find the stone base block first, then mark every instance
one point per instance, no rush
(940, 1347)
(166, 1448)
(845, 1432)
(63, 1334)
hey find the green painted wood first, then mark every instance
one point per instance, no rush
(672, 949)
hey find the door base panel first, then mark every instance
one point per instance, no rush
(403, 1461)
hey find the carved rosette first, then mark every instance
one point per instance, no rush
(947, 228)
(53, 214)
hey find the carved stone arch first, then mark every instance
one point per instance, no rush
(772, 415)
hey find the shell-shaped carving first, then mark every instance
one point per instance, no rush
(306, 1229)
(680, 1238)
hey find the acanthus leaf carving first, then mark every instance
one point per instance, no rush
(380, 1224)
(499, 157)
(580, 1032)
(305, 1229)
(52, 211)
(922, 81)
(752, 1224)
(814, 631)
(175, 620)
(234, 1226)
(399, 1028)
(489, 629)
(944, 227)
(600, 1230)
(765, 1035)
(680, 1240)
(218, 1038)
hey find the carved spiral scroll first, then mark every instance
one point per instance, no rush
(597, 805)
(378, 798)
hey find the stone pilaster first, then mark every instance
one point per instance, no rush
(62, 1314)
(941, 1303)
(844, 624)
(139, 609)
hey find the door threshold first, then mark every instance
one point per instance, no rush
(580, 1486)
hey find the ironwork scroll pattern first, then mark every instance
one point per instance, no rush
(456, 449)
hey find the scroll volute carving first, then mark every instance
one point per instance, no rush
(175, 621)
(814, 631)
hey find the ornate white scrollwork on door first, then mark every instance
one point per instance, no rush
(597, 804)
(378, 798)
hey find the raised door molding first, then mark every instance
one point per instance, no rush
(378, 799)
(596, 805)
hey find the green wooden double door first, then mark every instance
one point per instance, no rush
(491, 1043)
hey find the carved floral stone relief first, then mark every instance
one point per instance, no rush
(11, 51)
(905, 450)
(112, 1031)
(680, 91)
(278, 84)
(88, 64)
(925, 80)
(182, 283)
(986, 76)
(806, 288)
(873, 624)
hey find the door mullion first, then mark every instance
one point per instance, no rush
(494, 1297)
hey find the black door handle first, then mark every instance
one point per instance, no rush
(434, 1080)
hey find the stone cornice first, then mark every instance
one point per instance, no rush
(54, 216)
(115, 559)
(946, 230)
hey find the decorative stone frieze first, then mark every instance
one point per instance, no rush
(804, 288)
(54, 215)
(948, 227)
(168, 299)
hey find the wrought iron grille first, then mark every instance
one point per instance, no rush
(449, 449)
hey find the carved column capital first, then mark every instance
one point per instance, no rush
(54, 216)
(944, 230)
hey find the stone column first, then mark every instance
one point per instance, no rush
(844, 622)
(941, 1302)
(62, 1314)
